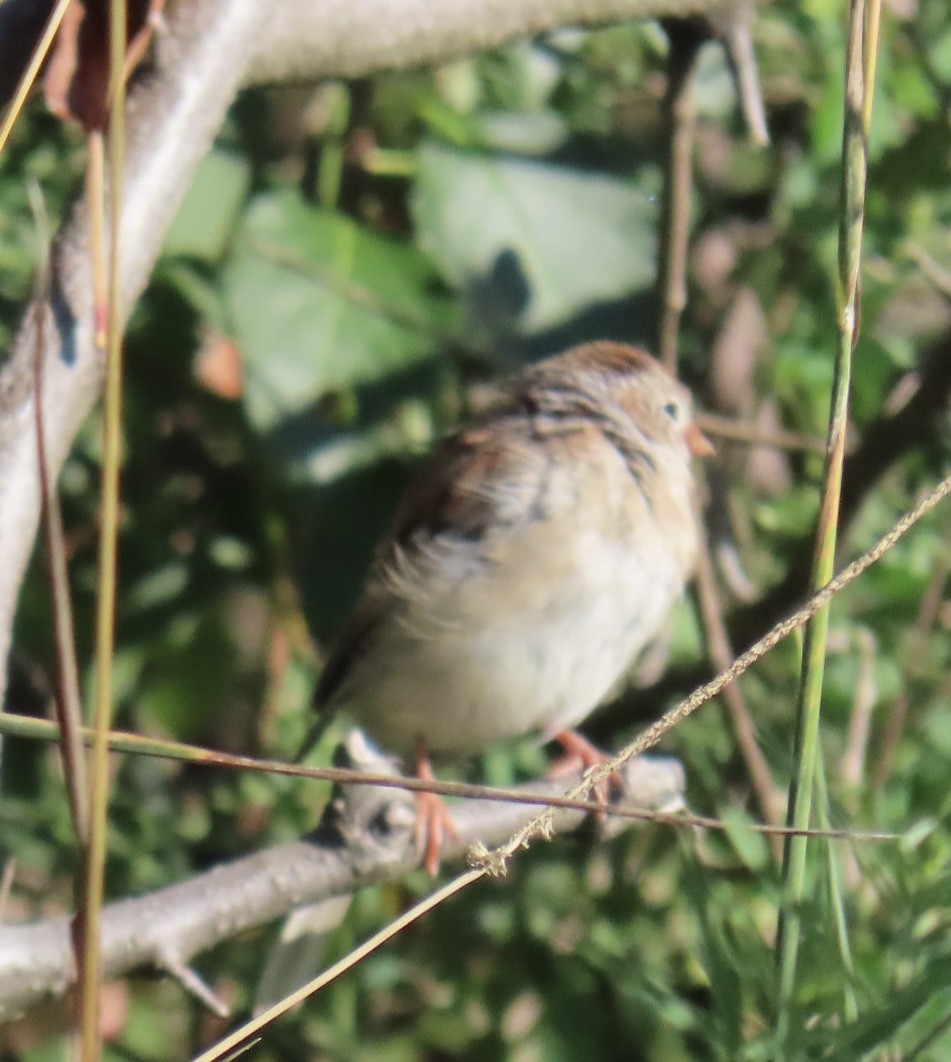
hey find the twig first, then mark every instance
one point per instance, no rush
(122, 741)
(67, 701)
(139, 45)
(193, 983)
(738, 38)
(925, 620)
(6, 885)
(744, 729)
(939, 277)
(852, 764)
(685, 39)
(728, 428)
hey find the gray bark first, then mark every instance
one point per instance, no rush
(366, 837)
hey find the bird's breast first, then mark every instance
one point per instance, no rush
(531, 643)
(529, 626)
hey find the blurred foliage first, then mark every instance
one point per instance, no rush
(350, 264)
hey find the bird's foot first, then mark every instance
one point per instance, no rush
(581, 755)
(433, 821)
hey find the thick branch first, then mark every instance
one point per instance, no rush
(366, 837)
(360, 38)
(172, 121)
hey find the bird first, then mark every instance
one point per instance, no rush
(538, 551)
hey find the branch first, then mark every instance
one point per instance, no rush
(364, 37)
(365, 837)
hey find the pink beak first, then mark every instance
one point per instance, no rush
(697, 443)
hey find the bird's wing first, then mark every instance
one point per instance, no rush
(351, 644)
(487, 478)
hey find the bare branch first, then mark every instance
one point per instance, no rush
(366, 837)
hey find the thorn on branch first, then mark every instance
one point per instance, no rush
(193, 983)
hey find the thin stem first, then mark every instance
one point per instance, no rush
(137, 745)
(89, 928)
(735, 430)
(67, 701)
(245, 1032)
(32, 70)
(739, 43)
(685, 41)
(834, 873)
(928, 612)
(806, 751)
(95, 202)
(744, 729)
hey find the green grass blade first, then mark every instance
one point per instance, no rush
(858, 88)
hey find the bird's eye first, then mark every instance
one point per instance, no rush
(673, 410)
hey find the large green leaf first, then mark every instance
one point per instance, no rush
(320, 304)
(209, 212)
(572, 237)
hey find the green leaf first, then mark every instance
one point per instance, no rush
(209, 212)
(750, 846)
(567, 238)
(319, 303)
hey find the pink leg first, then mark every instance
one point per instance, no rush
(433, 821)
(581, 755)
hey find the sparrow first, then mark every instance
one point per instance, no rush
(539, 550)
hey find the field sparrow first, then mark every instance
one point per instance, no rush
(534, 557)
